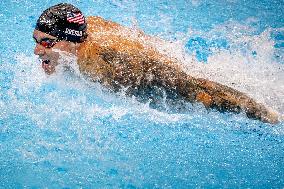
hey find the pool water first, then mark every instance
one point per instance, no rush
(63, 131)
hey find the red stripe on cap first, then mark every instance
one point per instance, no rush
(77, 18)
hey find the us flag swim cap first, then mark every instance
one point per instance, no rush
(64, 21)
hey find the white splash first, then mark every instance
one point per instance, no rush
(248, 65)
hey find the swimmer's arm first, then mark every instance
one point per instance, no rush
(212, 94)
(151, 68)
(224, 98)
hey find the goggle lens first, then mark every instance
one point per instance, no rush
(46, 42)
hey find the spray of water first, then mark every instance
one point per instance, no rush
(248, 65)
(245, 60)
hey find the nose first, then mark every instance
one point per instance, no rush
(39, 49)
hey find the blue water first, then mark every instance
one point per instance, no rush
(65, 132)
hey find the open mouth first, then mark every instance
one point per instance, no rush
(45, 61)
(45, 64)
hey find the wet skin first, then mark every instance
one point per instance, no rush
(117, 57)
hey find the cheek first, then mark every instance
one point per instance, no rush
(52, 55)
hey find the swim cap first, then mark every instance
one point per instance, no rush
(63, 21)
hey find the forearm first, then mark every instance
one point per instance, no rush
(224, 98)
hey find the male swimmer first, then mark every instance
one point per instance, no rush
(117, 57)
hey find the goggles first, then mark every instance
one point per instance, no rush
(46, 42)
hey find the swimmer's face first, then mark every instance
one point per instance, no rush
(47, 48)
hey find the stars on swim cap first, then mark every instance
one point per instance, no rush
(75, 18)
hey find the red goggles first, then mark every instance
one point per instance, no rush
(46, 42)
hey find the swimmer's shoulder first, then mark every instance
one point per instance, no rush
(97, 24)
(121, 38)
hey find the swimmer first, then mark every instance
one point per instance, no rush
(119, 57)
